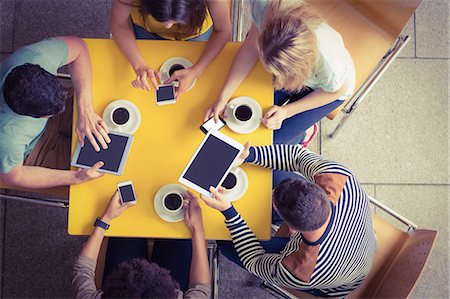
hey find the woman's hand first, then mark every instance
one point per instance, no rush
(273, 119)
(185, 77)
(215, 110)
(142, 74)
(192, 212)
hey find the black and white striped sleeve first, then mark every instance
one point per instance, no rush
(249, 249)
(294, 158)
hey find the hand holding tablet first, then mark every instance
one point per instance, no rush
(211, 162)
(113, 158)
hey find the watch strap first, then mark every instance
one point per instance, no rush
(98, 222)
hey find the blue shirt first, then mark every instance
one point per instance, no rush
(19, 133)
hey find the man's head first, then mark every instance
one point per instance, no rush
(32, 91)
(139, 278)
(302, 204)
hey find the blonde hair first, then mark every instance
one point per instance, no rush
(288, 45)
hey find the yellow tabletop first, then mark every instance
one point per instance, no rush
(166, 140)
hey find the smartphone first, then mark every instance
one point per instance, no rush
(126, 192)
(165, 94)
(211, 125)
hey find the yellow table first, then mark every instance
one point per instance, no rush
(166, 140)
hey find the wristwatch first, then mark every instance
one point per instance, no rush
(98, 222)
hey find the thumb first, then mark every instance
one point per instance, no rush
(271, 111)
(207, 200)
(97, 165)
(247, 146)
(215, 193)
(171, 79)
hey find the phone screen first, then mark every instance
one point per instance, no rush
(165, 93)
(210, 124)
(126, 193)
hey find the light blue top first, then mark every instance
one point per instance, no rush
(334, 64)
(19, 133)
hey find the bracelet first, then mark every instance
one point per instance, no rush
(99, 223)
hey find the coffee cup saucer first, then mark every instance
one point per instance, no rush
(159, 199)
(164, 69)
(249, 126)
(133, 123)
(240, 189)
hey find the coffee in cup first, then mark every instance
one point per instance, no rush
(120, 116)
(174, 68)
(230, 181)
(173, 202)
(242, 112)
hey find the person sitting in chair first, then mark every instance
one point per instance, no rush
(332, 241)
(135, 276)
(31, 94)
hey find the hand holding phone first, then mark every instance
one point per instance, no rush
(210, 124)
(126, 192)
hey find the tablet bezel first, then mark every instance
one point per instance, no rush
(122, 162)
(225, 139)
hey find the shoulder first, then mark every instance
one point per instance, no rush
(50, 54)
(259, 9)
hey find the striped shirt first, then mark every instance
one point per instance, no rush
(341, 259)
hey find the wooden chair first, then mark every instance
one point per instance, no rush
(399, 260)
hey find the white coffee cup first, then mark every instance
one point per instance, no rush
(119, 116)
(242, 113)
(172, 202)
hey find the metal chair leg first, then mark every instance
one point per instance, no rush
(213, 257)
(362, 92)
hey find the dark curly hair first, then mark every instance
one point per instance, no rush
(302, 204)
(30, 90)
(139, 278)
(188, 14)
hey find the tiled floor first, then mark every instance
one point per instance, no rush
(396, 143)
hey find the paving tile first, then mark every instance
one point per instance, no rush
(38, 253)
(410, 49)
(399, 133)
(235, 282)
(6, 25)
(432, 29)
(39, 19)
(427, 206)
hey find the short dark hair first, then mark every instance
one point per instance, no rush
(302, 204)
(188, 14)
(32, 91)
(138, 278)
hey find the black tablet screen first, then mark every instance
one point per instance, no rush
(110, 156)
(211, 163)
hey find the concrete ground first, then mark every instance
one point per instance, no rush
(396, 143)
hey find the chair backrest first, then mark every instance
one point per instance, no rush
(368, 28)
(398, 262)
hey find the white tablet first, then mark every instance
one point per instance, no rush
(211, 162)
(114, 157)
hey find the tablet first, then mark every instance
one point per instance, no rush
(211, 162)
(114, 157)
